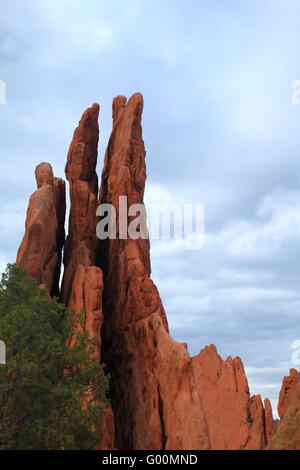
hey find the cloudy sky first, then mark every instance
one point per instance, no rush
(219, 128)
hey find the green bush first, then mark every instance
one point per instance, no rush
(52, 389)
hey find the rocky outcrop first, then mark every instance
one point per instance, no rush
(287, 392)
(41, 248)
(154, 398)
(161, 397)
(235, 420)
(287, 436)
(81, 242)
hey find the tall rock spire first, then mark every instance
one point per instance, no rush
(80, 171)
(82, 285)
(41, 247)
(154, 397)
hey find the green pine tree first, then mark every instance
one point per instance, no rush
(52, 389)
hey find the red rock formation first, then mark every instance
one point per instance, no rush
(80, 171)
(108, 439)
(287, 392)
(235, 420)
(161, 398)
(40, 250)
(270, 429)
(287, 435)
(86, 297)
(82, 282)
(257, 432)
(155, 402)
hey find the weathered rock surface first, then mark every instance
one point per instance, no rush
(41, 248)
(287, 436)
(154, 397)
(81, 242)
(235, 420)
